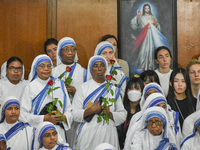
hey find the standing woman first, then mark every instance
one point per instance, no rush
(106, 50)
(35, 98)
(14, 79)
(131, 101)
(180, 95)
(86, 103)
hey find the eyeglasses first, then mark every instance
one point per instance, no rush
(12, 68)
(47, 135)
(67, 50)
(157, 123)
(42, 66)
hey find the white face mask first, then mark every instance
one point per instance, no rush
(134, 95)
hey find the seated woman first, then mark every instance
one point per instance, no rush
(131, 104)
(41, 92)
(191, 142)
(47, 138)
(13, 80)
(155, 99)
(14, 130)
(106, 50)
(86, 103)
(153, 132)
(3, 145)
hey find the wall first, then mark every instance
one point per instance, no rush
(26, 24)
(188, 28)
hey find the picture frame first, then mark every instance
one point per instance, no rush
(133, 47)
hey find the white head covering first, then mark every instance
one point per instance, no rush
(105, 146)
(8, 101)
(147, 88)
(3, 71)
(194, 121)
(160, 113)
(152, 100)
(62, 43)
(36, 62)
(2, 137)
(41, 129)
(91, 62)
(102, 46)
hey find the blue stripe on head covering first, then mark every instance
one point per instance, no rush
(39, 61)
(152, 87)
(155, 114)
(2, 138)
(6, 105)
(103, 47)
(156, 101)
(66, 43)
(43, 131)
(95, 59)
(196, 124)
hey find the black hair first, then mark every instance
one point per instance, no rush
(12, 59)
(133, 82)
(48, 42)
(171, 95)
(151, 74)
(143, 13)
(160, 48)
(107, 36)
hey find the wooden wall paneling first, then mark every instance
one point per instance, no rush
(86, 21)
(22, 30)
(188, 23)
(51, 19)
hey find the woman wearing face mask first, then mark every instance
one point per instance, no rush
(131, 104)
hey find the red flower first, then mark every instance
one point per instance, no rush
(112, 61)
(68, 69)
(50, 82)
(109, 77)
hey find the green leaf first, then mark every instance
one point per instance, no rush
(114, 72)
(54, 102)
(61, 105)
(49, 111)
(49, 91)
(99, 119)
(111, 91)
(61, 76)
(55, 88)
(116, 85)
(114, 79)
(113, 100)
(107, 85)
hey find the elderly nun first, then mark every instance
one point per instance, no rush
(39, 95)
(153, 132)
(155, 99)
(87, 107)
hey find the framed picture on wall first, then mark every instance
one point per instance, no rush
(143, 26)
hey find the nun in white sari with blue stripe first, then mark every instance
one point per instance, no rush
(90, 133)
(47, 137)
(13, 129)
(35, 98)
(192, 140)
(155, 99)
(121, 79)
(153, 132)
